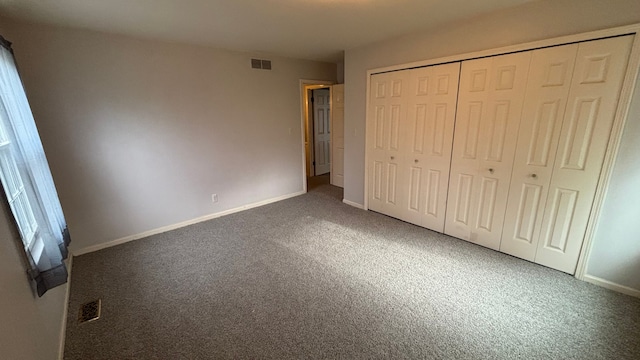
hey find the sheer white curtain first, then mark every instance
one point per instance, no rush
(27, 181)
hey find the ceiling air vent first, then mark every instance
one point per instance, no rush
(261, 64)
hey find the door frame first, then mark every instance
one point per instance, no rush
(306, 84)
(620, 118)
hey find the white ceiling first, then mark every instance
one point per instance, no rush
(308, 29)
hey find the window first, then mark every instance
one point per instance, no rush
(27, 181)
(17, 196)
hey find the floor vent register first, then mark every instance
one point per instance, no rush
(89, 311)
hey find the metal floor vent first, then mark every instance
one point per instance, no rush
(89, 311)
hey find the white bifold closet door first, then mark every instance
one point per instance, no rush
(515, 167)
(413, 115)
(431, 104)
(388, 107)
(544, 107)
(490, 102)
(569, 113)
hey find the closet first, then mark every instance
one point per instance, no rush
(409, 154)
(489, 107)
(503, 151)
(555, 176)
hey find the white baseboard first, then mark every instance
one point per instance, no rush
(163, 229)
(65, 311)
(611, 285)
(354, 204)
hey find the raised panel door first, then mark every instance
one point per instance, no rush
(463, 192)
(322, 131)
(431, 116)
(337, 142)
(489, 108)
(387, 118)
(545, 102)
(595, 87)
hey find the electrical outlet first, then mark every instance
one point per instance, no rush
(214, 198)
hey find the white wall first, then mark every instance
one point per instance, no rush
(615, 252)
(140, 133)
(533, 21)
(30, 327)
(340, 72)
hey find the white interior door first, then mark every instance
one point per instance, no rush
(337, 133)
(386, 141)
(488, 117)
(431, 107)
(308, 133)
(544, 107)
(593, 97)
(321, 131)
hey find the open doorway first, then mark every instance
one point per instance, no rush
(322, 116)
(317, 135)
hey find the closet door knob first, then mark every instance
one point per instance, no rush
(392, 158)
(491, 170)
(534, 176)
(415, 161)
